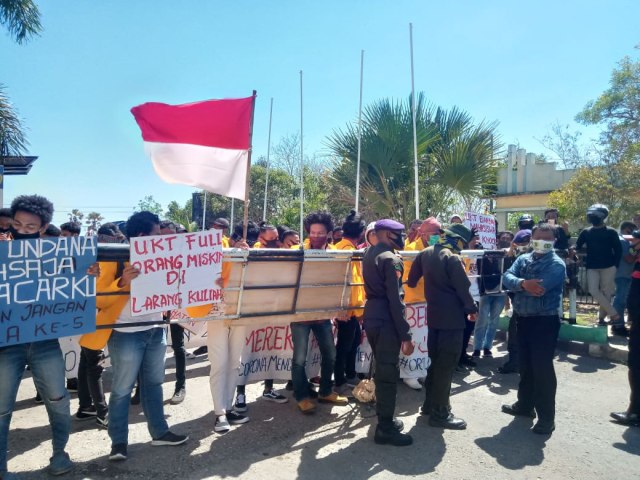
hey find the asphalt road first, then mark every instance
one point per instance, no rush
(336, 442)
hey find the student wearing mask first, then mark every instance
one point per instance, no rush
(268, 236)
(537, 280)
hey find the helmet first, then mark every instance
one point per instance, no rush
(598, 210)
(525, 222)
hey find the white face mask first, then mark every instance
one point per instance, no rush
(542, 246)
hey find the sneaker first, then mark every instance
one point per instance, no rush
(467, 362)
(200, 351)
(487, 352)
(334, 398)
(344, 390)
(236, 419)
(412, 383)
(38, 398)
(190, 356)
(476, 353)
(222, 424)
(274, 396)
(60, 464)
(118, 452)
(353, 381)
(178, 397)
(306, 406)
(72, 385)
(86, 413)
(241, 403)
(102, 421)
(315, 381)
(169, 438)
(289, 386)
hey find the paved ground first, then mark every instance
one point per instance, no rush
(336, 442)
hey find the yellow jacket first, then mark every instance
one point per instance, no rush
(202, 310)
(413, 295)
(109, 306)
(357, 292)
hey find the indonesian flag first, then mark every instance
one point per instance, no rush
(203, 144)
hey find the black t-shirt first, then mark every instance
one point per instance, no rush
(603, 247)
(562, 239)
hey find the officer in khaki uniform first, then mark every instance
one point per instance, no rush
(385, 324)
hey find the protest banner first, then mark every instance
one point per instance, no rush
(45, 290)
(485, 225)
(176, 271)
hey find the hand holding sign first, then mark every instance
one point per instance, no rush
(407, 347)
(128, 274)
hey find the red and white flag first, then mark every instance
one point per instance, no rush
(203, 144)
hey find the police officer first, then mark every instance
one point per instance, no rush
(386, 325)
(449, 303)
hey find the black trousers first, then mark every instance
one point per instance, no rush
(180, 354)
(346, 350)
(444, 352)
(90, 387)
(633, 305)
(537, 340)
(385, 345)
(469, 327)
(512, 341)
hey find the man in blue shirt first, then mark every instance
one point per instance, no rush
(537, 279)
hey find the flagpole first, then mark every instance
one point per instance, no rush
(266, 179)
(245, 220)
(204, 210)
(359, 132)
(415, 135)
(233, 202)
(301, 165)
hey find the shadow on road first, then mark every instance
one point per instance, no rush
(515, 446)
(631, 436)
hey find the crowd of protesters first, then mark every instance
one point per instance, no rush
(459, 307)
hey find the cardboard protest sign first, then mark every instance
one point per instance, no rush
(485, 225)
(176, 271)
(45, 291)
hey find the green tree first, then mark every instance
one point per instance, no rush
(456, 159)
(149, 204)
(21, 18)
(618, 110)
(12, 137)
(76, 216)
(93, 223)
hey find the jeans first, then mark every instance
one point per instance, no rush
(385, 346)
(633, 304)
(224, 345)
(180, 354)
(346, 350)
(47, 369)
(490, 308)
(90, 388)
(537, 340)
(620, 300)
(134, 353)
(602, 286)
(300, 337)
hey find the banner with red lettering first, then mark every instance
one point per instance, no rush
(176, 271)
(485, 225)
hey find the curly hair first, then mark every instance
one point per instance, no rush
(34, 204)
(141, 223)
(109, 229)
(71, 227)
(52, 231)
(324, 218)
(5, 212)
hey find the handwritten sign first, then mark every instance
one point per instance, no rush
(176, 271)
(45, 291)
(485, 225)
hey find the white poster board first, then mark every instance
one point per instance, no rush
(485, 225)
(176, 271)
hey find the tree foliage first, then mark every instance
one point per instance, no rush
(149, 204)
(21, 18)
(12, 137)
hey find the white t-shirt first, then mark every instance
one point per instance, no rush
(125, 317)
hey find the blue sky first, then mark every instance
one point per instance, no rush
(523, 64)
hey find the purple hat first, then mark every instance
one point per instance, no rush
(523, 236)
(388, 224)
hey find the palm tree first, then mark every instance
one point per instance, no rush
(21, 18)
(12, 139)
(456, 159)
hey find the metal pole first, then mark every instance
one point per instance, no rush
(415, 135)
(233, 201)
(359, 132)
(245, 218)
(301, 165)
(266, 179)
(204, 210)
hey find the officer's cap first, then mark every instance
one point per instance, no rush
(388, 224)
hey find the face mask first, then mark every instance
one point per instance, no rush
(398, 240)
(433, 239)
(271, 244)
(23, 236)
(542, 246)
(504, 244)
(523, 249)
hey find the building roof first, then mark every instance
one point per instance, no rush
(17, 165)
